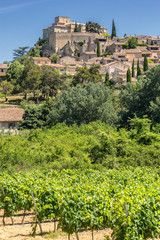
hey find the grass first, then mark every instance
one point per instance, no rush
(51, 235)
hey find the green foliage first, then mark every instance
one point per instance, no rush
(105, 35)
(81, 43)
(41, 42)
(107, 81)
(85, 75)
(93, 145)
(145, 66)
(5, 88)
(21, 51)
(35, 51)
(122, 199)
(76, 28)
(143, 97)
(83, 105)
(133, 72)
(98, 49)
(36, 116)
(51, 81)
(93, 27)
(106, 54)
(138, 69)
(113, 30)
(131, 43)
(54, 58)
(14, 73)
(149, 61)
(128, 77)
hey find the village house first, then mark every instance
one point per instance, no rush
(9, 118)
(3, 71)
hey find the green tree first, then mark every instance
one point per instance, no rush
(5, 88)
(138, 69)
(145, 66)
(83, 105)
(41, 42)
(36, 116)
(35, 51)
(133, 72)
(107, 81)
(21, 51)
(128, 75)
(113, 30)
(143, 98)
(98, 49)
(85, 75)
(76, 28)
(93, 27)
(30, 77)
(51, 81)
(14, 73)
(132, 42)
(54, 58)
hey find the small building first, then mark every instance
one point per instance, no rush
(9, 118)
(41, 61)
(3, 71)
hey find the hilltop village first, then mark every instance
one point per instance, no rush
(74, 46)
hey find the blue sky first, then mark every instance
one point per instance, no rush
(22, 21)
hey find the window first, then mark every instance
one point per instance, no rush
(39, 62)
(45, 62)
(11, 125)
(77, 38)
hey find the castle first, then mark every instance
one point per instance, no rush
(63, 40)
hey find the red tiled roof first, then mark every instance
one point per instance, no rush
(41, 59)
(11, 114)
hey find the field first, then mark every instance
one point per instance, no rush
(126, 201)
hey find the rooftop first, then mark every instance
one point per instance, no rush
(11, 114)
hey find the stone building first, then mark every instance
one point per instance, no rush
(3, 71)
(63, 40)
(9, 117)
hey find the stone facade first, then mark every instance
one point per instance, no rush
(63, 40)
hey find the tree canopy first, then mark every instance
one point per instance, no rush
(83, 105)
(93, 27)
(143, 98)
(85, 75)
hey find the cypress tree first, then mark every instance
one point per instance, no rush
(145, 66)
(138, 69)
(113, 30)
(133, 72)
(98, 49)
(107, 80)
(128, 75)
(76, 28)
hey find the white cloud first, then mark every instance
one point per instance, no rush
(18, 6)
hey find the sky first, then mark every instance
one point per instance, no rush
(22, 21)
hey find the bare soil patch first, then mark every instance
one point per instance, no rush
(20, 231)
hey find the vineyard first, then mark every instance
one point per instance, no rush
(127, 201)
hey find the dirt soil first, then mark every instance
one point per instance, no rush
(20, 231)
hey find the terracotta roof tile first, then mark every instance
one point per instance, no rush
(11, 114)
